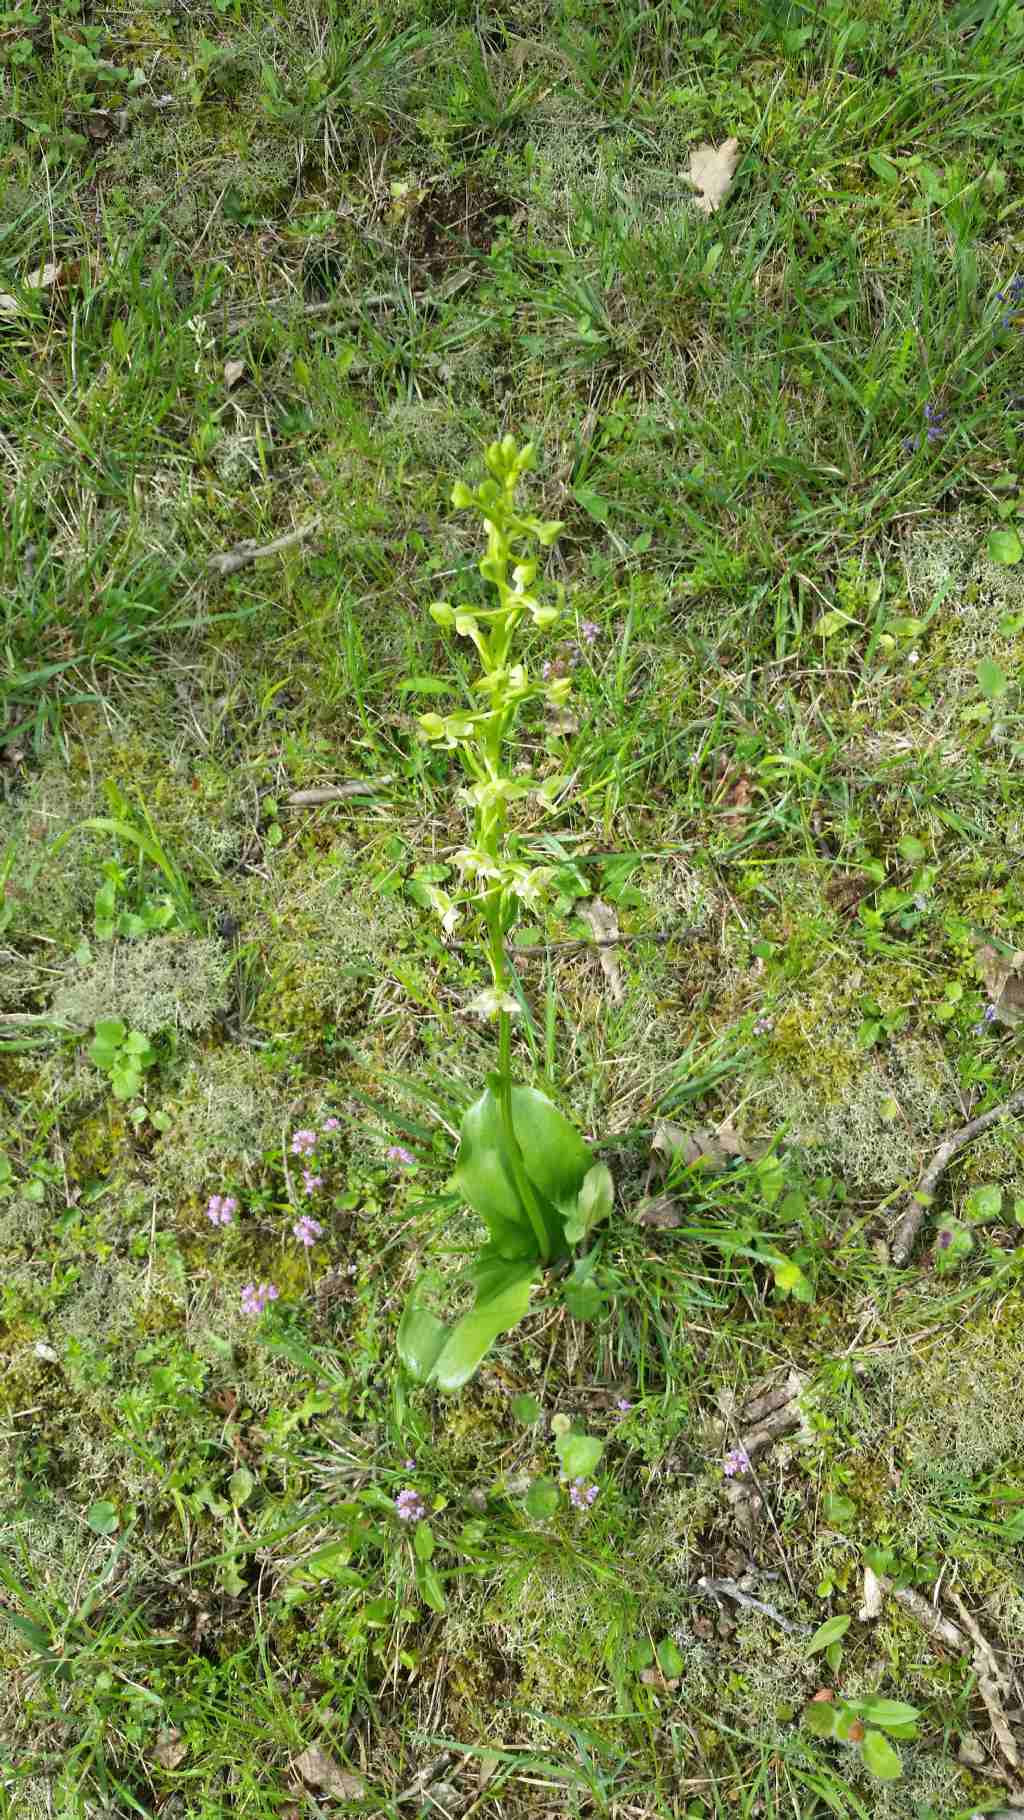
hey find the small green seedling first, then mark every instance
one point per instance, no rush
(864, 1724)
(122, 1054)
(152, 915)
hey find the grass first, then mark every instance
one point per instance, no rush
(268, 269)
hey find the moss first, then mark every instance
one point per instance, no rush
(230, 1108)
(172, 982)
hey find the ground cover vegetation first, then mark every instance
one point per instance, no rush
(721, 1510)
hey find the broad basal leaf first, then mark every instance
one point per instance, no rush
(474, 1335)
(420, 1339)
(555, 1159)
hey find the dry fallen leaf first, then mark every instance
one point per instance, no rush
(696, 1145)
(660, 1211)
(604, 929)
(317, 1768)
(44, 277)
(711, 173)
(739, 799)
(653, 1677)
(233, 370)
(169, 1749)
(560, 721)
(1003, 975)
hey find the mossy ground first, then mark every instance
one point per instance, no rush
(796, 763)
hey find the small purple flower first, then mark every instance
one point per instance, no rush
(410, 1506)
(945, 1239)
(581, 1494)
(1013, 297)
(307, 1230)
(546, 672)
(303, 1142)
(590, 631)
(397, 1153)
(255, 1297)
(221, 1209)
(763, 1025)
(737, 1461)
(624, 1406)
(910, 443)
(935, 422)
(311, 1182)
(332, 1124)
(988, 1017)
(410, 1465)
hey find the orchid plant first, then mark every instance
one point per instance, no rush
(521, 1166)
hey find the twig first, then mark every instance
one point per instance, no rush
(916, 1208)
(731, 1589)
(929, 1617)
(523, 950)
(337, 793)
(244, 553)
(993, 1684)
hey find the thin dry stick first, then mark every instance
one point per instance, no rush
(524, 950)
(916, 1208)
(244, 553)
(337, 793)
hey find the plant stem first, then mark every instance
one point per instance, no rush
(524, 1186)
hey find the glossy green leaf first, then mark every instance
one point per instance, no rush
(474, 1335)
(542, 1500)
(583, 1300)
(526, 1409)
(420, 1339)
(821, 1718)
(430, 1588)
(880, 1758)
(110, 1031)
(992, 679)
(1004, 545)
(829, 1632)
(555, 1160)
(102, 1517)
(241, 1486)
(579, 1454)
(670, 1659)
(890, 1713)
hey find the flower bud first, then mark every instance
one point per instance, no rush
(433, 725)
(548, 529)
(461, 495)
(544, 617)
(441, 613)
(559, 690)
(523, 574)
(465, 625)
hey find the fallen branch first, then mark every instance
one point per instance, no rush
(910, 1220)
(731, 1589)
(993, 1684)
(244, 553)
(523, 950)
(337, 793)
